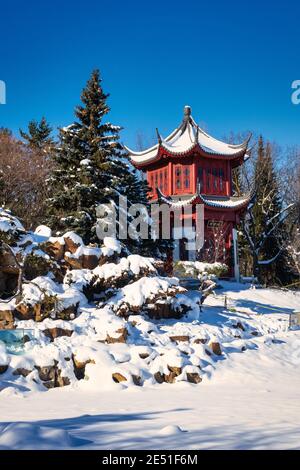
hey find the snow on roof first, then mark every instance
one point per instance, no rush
(185, 137)
(232, 202)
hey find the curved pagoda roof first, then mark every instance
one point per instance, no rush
(185, 138)
(232, 203)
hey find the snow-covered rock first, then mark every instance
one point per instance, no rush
(43, 231)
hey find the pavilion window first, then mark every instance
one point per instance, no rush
(221, 179)
(215, 179)
(178, 177)
(200, 177)
(166, 180)
(187, 178)
(208, 172)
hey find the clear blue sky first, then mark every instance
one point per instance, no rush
(233, 62)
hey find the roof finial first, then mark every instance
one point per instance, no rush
(158, 136)
(187, 110)
(249, 138)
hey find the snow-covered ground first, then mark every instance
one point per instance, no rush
(249, 397)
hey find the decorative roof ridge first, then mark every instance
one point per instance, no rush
(142, 152)
(191, 133)
(242, 200)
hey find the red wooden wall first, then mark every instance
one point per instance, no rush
(180, 176)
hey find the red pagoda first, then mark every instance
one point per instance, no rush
(191, 167)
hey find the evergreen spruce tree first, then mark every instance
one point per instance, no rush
(129, 183)
(82, 179)
(38, 136)
(92, 169)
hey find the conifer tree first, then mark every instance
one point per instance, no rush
(129, 183)
(38, 136)
(92, 169)
(81, 179)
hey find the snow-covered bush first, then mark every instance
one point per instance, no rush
(11, 229)
(197, 268)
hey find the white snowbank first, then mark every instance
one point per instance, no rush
(32, 436)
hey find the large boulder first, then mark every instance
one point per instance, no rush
(193, 377)
(121, 336)
(9, 272)
(72, 262)
(118, 378)
(8, 261)
(22, 371)
(163, 308)
(84, 258)
(215, 347)
(80, 365)
(72, 241)
(105, 279)
(136, 297)
(174, 372)
(6, 319)
(51, 376)
(54, 247)
(170, 377)
(57, 332)
(180, 338)
(43, 298)
(36, 310)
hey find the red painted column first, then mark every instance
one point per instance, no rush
(228, 179)
(194, 178)
(170, 179)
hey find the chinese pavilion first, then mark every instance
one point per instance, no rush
(191, 167)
